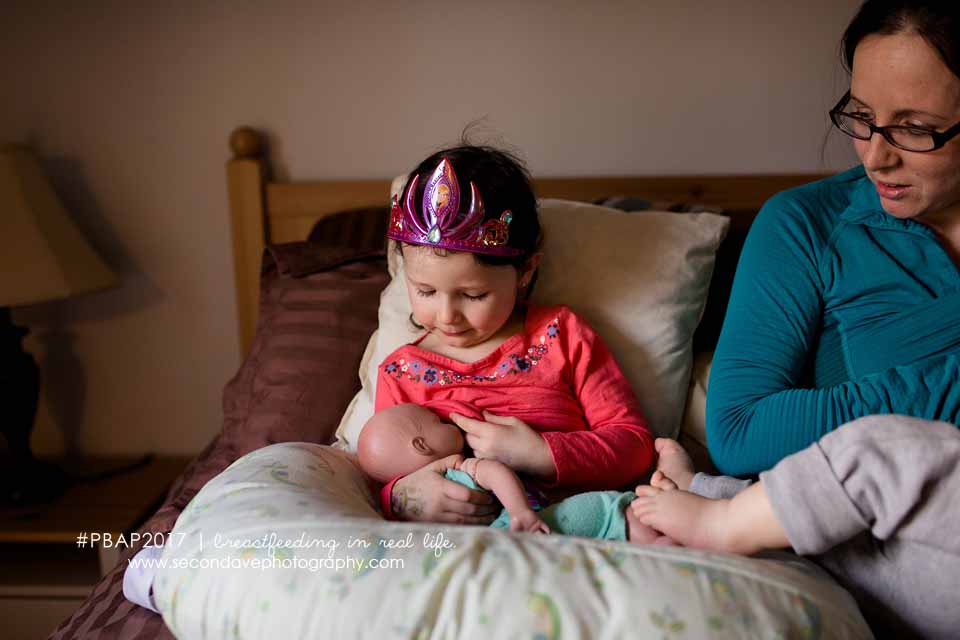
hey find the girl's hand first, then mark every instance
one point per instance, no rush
(426, 496)
(510, 441)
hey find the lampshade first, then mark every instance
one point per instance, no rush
(43, 254)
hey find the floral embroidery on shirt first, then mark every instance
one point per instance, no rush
(515, 363)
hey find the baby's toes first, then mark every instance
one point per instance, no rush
(647, 491)
(666, 446)
(661, 481)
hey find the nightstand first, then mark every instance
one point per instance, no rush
(44, 575)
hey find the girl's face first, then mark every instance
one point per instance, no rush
(461, 301)
(900, 79)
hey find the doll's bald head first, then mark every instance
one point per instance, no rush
(400, 439)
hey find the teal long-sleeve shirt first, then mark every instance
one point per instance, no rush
(838, 310)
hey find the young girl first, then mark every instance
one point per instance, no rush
(532, 386)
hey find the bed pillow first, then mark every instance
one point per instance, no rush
(640, 280)
(317, 308)
(288, 543)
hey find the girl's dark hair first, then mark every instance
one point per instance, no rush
(503, 182)
(936, 21)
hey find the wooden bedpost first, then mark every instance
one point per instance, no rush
(246, 174)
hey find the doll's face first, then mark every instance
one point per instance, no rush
(401, 439)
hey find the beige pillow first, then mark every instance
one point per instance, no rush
(640, 279)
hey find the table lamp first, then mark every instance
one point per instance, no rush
(44, 257)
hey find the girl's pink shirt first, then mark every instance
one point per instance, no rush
(558, 377)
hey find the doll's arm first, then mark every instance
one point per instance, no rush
(443, 465)
(504, 483)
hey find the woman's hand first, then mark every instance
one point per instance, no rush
(426, 496)
(510, 441)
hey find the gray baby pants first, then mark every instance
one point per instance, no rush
(877, 503)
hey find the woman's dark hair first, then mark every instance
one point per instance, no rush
(503, 183)
(936, 21)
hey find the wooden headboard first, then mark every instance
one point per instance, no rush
(265, 211)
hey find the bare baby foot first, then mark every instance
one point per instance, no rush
(674, 462)
(639, 533)
(661, 481)
(686, 518)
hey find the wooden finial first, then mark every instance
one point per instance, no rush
(245, 142)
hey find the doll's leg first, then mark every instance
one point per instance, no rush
(603, 515)
(594, 514)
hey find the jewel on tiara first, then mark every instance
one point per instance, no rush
(436, 224)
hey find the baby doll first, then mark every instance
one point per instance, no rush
(405, 437)
(401, 439)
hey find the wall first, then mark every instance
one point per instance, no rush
(130, 109)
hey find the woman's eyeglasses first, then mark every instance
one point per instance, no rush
(903, 137)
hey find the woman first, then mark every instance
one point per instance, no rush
(847, 304)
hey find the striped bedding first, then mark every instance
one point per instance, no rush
(318, 308)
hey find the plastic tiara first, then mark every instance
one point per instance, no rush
(436, 224)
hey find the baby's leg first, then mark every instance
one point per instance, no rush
(675, 470)
(674, 462)
(637, 531)
(745, 524)
(877, 500)
(661, 481)
(640, 533)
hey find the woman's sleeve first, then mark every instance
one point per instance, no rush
(757, 409)
(617, 449)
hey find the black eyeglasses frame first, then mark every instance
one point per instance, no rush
(940, 138)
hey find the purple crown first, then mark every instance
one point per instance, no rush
(437, 223)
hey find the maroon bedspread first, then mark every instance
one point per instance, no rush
(318, 307)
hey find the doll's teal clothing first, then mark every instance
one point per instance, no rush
(594, 514)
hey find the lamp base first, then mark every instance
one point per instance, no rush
(27, 482)
(23, 478)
